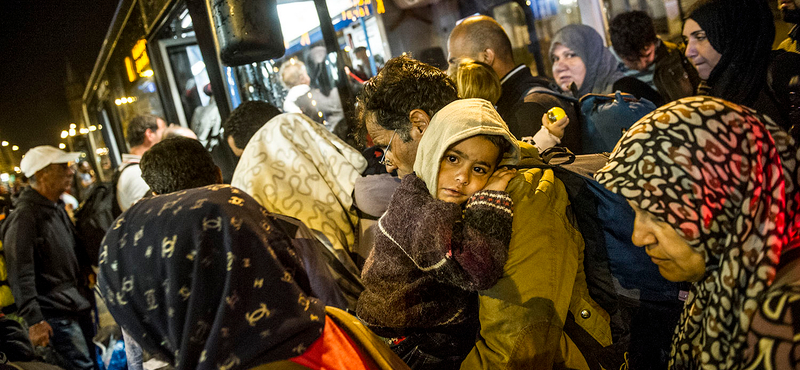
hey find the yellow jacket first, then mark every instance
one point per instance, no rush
(522, 316)
(6, 299)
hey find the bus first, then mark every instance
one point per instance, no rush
(168, 57)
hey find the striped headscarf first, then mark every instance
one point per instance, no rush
(713, 171)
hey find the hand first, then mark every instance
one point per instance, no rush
(556, 128)
(500, 178)
(40, 333)
(91, 279)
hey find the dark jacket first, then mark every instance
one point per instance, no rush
(675, 77)
(43, 268)
(516, 85)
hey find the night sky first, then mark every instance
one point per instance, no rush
(38, 38)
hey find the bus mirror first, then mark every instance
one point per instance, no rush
(248, 31)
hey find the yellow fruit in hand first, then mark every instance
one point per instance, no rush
(555, 114)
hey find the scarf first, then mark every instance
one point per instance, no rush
(712, 170)
(295, 167)
(743, 32)
(203, 278)
(602, 68)
(457, 121)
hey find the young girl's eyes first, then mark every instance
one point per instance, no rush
(480, 170)
(451, 158)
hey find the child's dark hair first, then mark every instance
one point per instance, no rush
(500, 142)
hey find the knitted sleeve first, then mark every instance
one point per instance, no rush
(481, 248)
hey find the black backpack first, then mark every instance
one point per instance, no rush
(97, 214)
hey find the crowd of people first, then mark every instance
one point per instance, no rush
(460, 244)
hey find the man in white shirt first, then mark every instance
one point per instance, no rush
(143, 132)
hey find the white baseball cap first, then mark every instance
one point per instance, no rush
(43, 156)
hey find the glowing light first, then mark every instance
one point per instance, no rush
(15, 148)
(62, 146)
(4, 177)
(146, 73)
(72, 132)
(198, 67)
(319, 114)
(17, 170)
(101, 151)
(92, 128)
(118, 101)
(84, 131)
(4, 143)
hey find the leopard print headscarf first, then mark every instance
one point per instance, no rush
(712, 170)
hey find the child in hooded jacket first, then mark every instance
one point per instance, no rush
(444, 236)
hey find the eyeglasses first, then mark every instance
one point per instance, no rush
(383, 159)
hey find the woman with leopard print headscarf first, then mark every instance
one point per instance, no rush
(713, 185)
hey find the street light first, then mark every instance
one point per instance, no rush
(4, 143)
(71, 132)
(62, 146)
(64, 134)
(15, 148)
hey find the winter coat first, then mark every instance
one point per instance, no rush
(523, 315)
(43, 259)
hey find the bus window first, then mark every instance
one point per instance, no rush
(189, 84)
(128, 84)
(666, 14)
(549, 17)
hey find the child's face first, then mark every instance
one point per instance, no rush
(465, 168)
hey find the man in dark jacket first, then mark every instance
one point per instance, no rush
(524, 99)
(45, 262)
(634, 38)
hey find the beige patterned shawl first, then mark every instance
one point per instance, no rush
(295, 167)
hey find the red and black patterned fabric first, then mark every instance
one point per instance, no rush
(712, 170)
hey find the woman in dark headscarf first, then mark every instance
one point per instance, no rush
(729, 42)
(578, 56)
(207, 279)
(707, 182)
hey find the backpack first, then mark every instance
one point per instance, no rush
(644, 307)
(97, 214)
(606, 117)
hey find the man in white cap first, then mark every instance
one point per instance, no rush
(45, 264)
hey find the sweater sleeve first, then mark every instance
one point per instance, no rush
(467, 251)
(481, 249)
